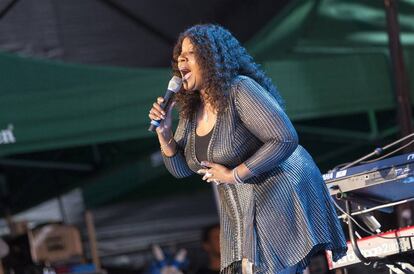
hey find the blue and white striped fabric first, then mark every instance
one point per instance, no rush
(282, 215)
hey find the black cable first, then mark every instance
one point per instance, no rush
(366, 230)
(386, 155)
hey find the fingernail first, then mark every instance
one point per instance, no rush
(203, 163)
(199, 171)
(163, 112)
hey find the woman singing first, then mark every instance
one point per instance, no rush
(275, 209)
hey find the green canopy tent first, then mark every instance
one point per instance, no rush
(329, 60)
(334, 56)
(326, 49)
(52, 105)
(49, 107)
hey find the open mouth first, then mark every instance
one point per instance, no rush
(186, 73)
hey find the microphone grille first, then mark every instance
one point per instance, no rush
(175, 84)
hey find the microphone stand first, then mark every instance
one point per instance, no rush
(377, 152)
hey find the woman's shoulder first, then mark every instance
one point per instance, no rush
(243, 84)
(239, 79)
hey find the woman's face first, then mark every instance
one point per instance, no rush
(188, 66)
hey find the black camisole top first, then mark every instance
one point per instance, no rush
(201, 145)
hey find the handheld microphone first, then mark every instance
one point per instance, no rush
(173, 87)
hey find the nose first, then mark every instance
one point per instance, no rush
(181, 59)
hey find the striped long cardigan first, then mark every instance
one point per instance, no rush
(283, 214)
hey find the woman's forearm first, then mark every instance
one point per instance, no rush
(167, 144)
(243, 172)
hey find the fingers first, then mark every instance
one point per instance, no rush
(156, 112)
(203, 171)
(215, 173)
(217, 182)
(206, 172)
(207, 176)
(155, 116)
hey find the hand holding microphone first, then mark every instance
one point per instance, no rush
(161, 117)
(160, 113)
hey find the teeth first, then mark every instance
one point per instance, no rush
(188, 75)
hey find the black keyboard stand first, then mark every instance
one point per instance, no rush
(354, 243)
(394, 264)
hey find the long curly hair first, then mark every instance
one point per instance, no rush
(221, 58)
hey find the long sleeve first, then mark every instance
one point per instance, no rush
(263, 116)
(177, 164)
